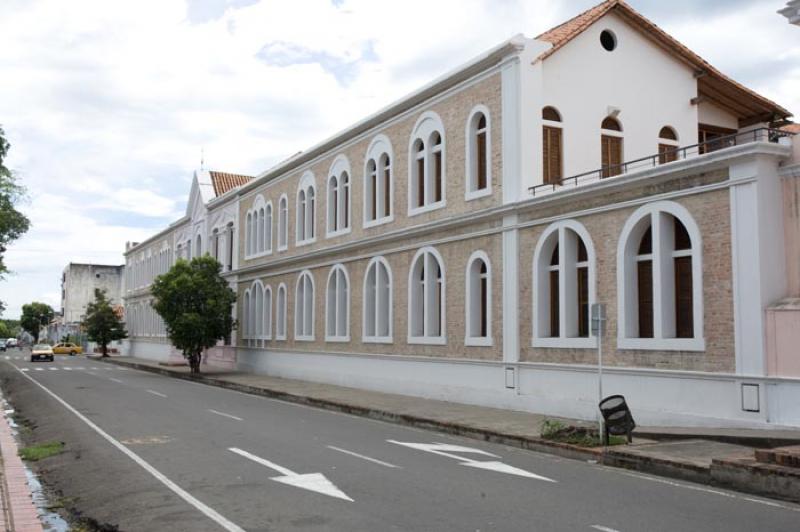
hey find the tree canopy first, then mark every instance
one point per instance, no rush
(13, 223)
(35, 316)
(103, 324)
(195, 303)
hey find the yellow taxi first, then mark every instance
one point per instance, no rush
(67, 348)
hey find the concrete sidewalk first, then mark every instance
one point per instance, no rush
(19, 512)
(712, 456)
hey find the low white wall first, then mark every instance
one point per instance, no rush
(657, 398)
(158, 351)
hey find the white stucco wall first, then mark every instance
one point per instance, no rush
(80, 281)
(650, 87)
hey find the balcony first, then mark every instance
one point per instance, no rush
(665, 156)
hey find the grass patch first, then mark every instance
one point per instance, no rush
(41, 451)
(554, 430)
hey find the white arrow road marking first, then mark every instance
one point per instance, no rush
(367, 458)
(223, 414)
(494, 465)
(309, 481)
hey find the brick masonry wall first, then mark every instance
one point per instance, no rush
(711, 212)
(455, 256)
(454, 111)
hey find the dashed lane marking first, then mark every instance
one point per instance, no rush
(180, 492)
(367, 458)
(39, 369)
(156, 393)
(25, 369)
(115, 380)
(223, 414)
(604, 528)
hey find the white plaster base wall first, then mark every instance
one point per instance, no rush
(657, 398)
(158, 351)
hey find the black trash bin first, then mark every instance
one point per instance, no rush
(617, 417)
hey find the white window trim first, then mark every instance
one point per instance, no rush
(428, 340)
(658, 342)
(563, 342)
(428, 123)
(307, 181)
(305, 337)
(340, 165)
(283, 247)
(471, 176)
(378, 339)
(488, 340)
(380, 145)
(278, 336)
(266, 318)
(336, 338)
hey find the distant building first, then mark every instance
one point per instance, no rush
(78, 283)
(792, 12)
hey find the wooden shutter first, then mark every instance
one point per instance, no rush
(667, 153)
(555, 327)
(583, 301)
(644, 270)
(684, 305)
(482, 161)
(611, 148)
(552, 158)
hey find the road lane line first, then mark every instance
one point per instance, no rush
(367, 458)
(53, 369)
(156, 393)
(39, 369)
(225, 415)
(115, 380)
(180, 492)
(602, 528)
(67, 369)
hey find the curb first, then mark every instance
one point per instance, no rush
(687, 471)
(18, 504)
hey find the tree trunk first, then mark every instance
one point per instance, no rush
(104, 350)
(194, 363)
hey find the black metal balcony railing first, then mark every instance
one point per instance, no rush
(664, 157)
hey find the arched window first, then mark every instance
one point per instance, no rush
(338, 208)
(660, 280)
(246, 316)
(266, 317)
(337, 306)
(260, 242)
(611, 146)
(280, 310)
(283, 223)
(248, 235)
(667, 145)
(563, 286)
(426, 296)
(552, 146)
(378, 188)
(199, 246)
(426, 164)
(268, 227)
(306, 210)
(378, 302)
(479, 147)
(479, 300)
(258, 318)
(304, 307)
(229, 242)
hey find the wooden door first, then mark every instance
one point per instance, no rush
(611, 149)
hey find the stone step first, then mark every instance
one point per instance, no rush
(783, 456)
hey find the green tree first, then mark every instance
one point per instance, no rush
(13, 223)
(34, 316)
(102, 323)
(195, 303)
(6, 331)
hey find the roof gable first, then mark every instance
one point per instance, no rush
(713, 85)
(223, 182)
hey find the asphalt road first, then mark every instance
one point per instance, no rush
(147, 452)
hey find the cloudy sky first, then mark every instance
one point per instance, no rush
(108, 103)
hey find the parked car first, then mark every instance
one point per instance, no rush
(67, 348)
(42, 351)
(2, 345)
(11, 342)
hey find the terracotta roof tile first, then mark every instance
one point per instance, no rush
(223, 181)
(563, 33)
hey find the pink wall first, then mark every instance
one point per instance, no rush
(783, 339)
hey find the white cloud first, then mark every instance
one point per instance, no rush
(108, 104)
